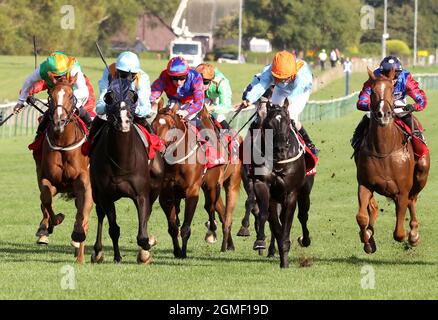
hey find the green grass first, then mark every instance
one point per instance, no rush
(32, 272)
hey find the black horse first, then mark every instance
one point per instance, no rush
(280, 180)
(120, 167)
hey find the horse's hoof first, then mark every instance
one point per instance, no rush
(304, 242)
(78, 236)
(368, 248)
(210, 238)
(152, 241)
(42, 231)
(75, 244)
(43, 240)
(144, 257)
(259, 244)
(59, 218)
(97, 258)
(243, 232)
(402, 238)
(270, 254)
(414, 240)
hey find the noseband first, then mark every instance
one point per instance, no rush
(53, 107)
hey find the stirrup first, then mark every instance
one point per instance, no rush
(313, 148)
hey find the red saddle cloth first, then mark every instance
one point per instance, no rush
(420, 148)
(37, 146)
(154, 142)
(310, 158)
(212, 154)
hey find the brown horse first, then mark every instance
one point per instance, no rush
(230, 179)
(63, 168)
(386, 164)
(185, 175)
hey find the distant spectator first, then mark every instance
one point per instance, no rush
(333, 58)
(322, 59)
(347, 66)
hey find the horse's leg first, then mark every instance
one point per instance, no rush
(192, 196)
(275, 226)
(232, 187)
(143, 205)
(401, 204)
(249, 203)
(261, 190)
(213, 202)
(84, 204)
(47, 192)
(303, 211)
(114, 229)
(372, 213)
(170, 209)
(286, 216)
(97, 256)
(414, 235)
(362, 218)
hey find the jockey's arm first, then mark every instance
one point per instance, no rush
(144, 92)
(103, 88)
(81, 91)
(414, 91)
(260, 84)
(225, 103)
(198, 96)
(363, 103)
(38, 87)
(158, 87)
(28, 84)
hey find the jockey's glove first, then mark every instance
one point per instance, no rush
(409, 108)
(18, 107)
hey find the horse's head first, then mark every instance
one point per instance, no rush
(166, 119)
(120, 102)
(278, 120)
(62, 102)
(382, 101)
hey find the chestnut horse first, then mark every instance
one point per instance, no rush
(185, 175)
(120, 167)
(63, 168)
(386, 164)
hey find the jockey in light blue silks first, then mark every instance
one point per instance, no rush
(292, 80)
(127, 66)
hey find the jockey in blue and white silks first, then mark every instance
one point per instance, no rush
(127, 66)
(291, 80)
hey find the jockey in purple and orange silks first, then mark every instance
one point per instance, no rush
(404, 84)
(182, 84)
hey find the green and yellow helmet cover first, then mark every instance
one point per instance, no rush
(57, 63)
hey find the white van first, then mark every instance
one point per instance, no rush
(190, 50)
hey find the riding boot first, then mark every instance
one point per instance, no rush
(407, 119)
(359, 132)
(42, 125)
(85, 117)
(308, 141)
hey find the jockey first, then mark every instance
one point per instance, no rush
(404, 84)
(217, 93)
(182, 84)
(127, 66)
(60, 65)
(292, 80)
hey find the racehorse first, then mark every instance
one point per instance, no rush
(386, 164)
(279, 180)
(63, 168)
(120, 167)
(251, 205)
(185, 175)
(229, 143)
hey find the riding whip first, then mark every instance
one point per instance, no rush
(101, 56)
(35, 50)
